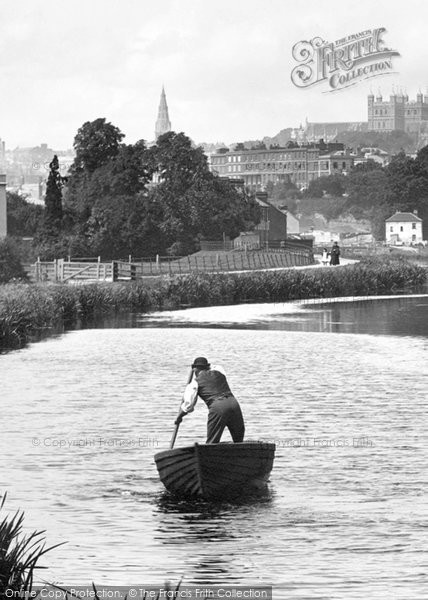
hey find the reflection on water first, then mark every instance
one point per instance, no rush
(345, 513)
(207, 524)
(380, 316)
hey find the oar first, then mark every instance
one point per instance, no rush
(174, 435)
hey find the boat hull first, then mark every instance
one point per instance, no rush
(215, 470)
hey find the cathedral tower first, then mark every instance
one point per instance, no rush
(163, 124)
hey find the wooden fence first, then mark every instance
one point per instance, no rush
(61, 270)
(210, 263)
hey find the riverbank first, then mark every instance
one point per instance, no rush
(26, 309)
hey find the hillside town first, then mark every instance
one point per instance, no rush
(281, 172)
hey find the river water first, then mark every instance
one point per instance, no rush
(341, 388)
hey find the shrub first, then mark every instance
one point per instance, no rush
(10, 261)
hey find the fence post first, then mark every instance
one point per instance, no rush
(157, 263)
(98, 268)
(38, 269)
(133, 272)
(114, 270)
(61, 269)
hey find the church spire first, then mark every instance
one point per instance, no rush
(163, 124)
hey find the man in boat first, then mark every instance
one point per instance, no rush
(210, 384)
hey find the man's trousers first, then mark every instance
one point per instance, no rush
(225, 412)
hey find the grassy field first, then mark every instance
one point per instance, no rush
(26, 309)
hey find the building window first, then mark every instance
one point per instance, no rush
(391, 229)
(413, 225)
(401, 228)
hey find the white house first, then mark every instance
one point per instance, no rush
(321, 237)
(403, 228)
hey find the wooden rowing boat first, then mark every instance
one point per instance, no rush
(215, 470)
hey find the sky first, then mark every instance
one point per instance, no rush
(225, 65)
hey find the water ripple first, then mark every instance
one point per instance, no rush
(344, 515)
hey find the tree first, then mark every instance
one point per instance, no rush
(96, 142)
(123, 225)
(127, 173)
(367, 186)
(422, 159)
(24, 218)
(100, 203)
(194, 203)
(52, 222)
(368, 196)
(177, 162)
(408, 181)
(334, 185)
(116, 209)
(392, 141)
(48, 239)
(10, 261)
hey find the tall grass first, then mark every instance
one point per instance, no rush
(19, 555)
(19, 558)
(28, 308)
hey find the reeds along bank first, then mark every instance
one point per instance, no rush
(27, 308)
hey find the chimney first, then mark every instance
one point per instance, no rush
(415, 212)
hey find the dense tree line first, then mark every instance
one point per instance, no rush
(122, 199)
(376, 193)
(370, 191)
(392, 142)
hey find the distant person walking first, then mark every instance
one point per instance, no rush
(334, 254)
(210, 384)
(325, 257)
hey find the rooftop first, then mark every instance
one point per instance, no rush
(403, 217)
